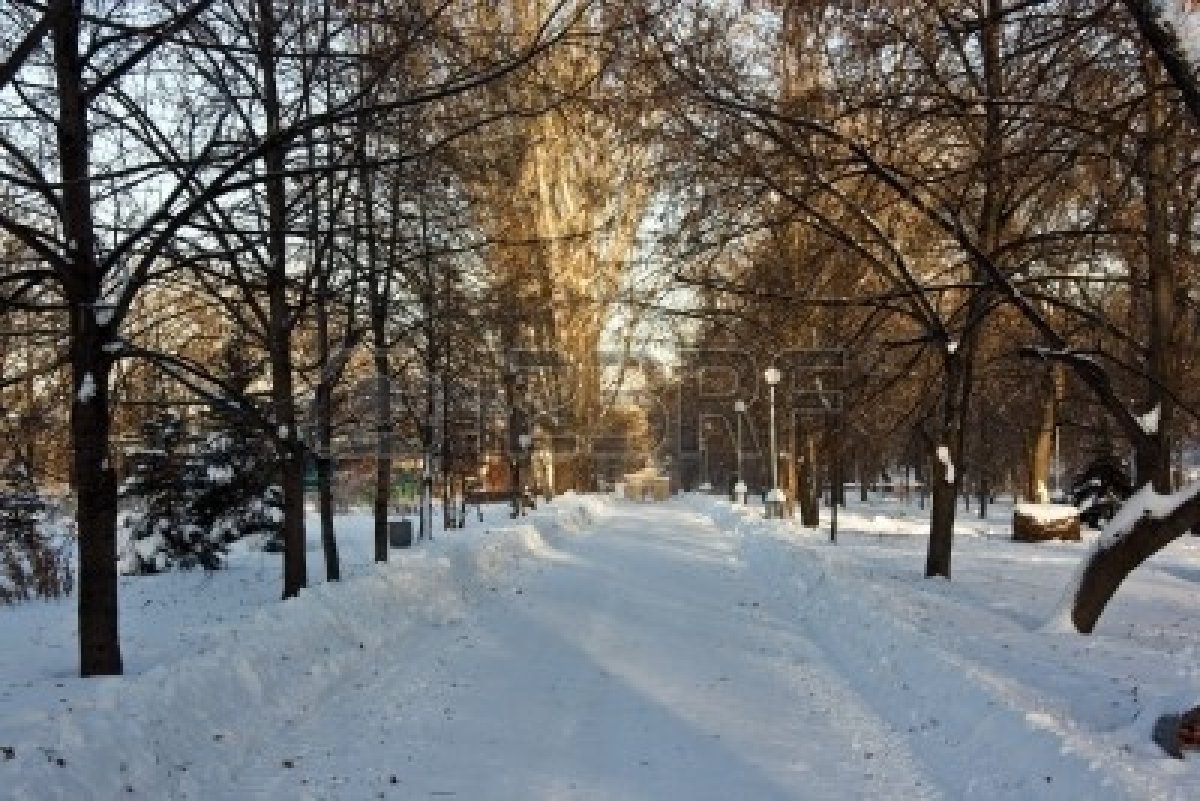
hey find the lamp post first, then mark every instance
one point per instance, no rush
(775, 498)
(739, 483)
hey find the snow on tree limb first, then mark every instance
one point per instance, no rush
(1145, 503)
(943, 457)
(1143, 525)
(1172, 30)
(1184, 18)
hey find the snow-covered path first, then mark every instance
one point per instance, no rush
(607, 650)
(656, 654)
(644, 662)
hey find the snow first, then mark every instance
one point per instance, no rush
(1145, 503)
(599, 649)
(1046, 512)
(1184, 17)
(220, 474)
(943, 457)
(1149, 421)
(87, 389)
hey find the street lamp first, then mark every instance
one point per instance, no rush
(775, 498)
(739, 483)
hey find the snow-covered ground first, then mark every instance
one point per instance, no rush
(608, 650)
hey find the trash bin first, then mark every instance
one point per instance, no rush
(400, 533)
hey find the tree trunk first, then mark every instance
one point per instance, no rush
(323, 400)
(429, 300)
(291, 455)
(941, 517)
(793, 485)
(949, 445)
(324, 413)
(946, 474)
(1109, 566)
(448, 516)
(94, 481)
(1153, 456)
(426, 528)
(984, 496)
(383, 453)
(1040, 448)
(96, 512)
(810, 513)
(864, 493)
(333, 570)
(383, 384)
(1146, 13)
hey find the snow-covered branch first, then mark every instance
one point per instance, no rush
(1172, 29)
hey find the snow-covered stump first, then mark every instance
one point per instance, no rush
(1044, 521)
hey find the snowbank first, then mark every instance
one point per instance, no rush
(1046, 512)
(968, 673)
(571, 513)
(180, 725)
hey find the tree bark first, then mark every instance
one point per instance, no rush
(941, 516)
(1109, 566)
(1040, 448)
(324, 412)
(383, 454)
(96, 512)
(946, 475)
(323, 400)
(947, 479)
(1165, 45)
(810, 513)
(95, 485)
(380, 290)
(1153, 456)
(429, 300)
(291, 455)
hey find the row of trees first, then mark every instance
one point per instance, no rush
(318, 185)
(991, 204)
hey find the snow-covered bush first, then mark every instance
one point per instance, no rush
(33, 562)
(161, 530)
(1100, 489)
(237, 497)
(192, 496)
